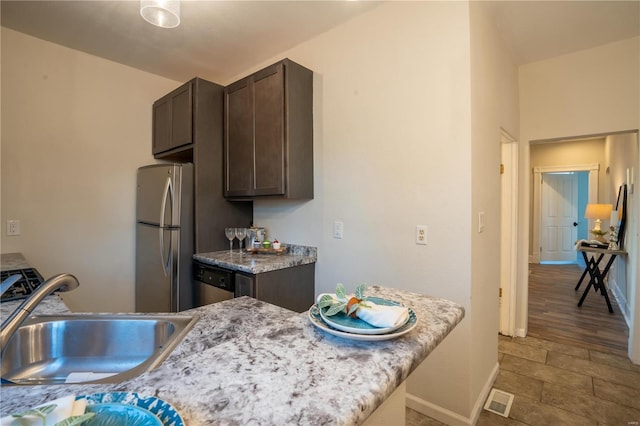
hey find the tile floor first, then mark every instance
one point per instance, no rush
(560, 384)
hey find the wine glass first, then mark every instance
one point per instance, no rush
(241, 233)
(231, 234)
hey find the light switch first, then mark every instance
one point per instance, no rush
(480, 222)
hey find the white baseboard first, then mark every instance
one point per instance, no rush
(447, 416)
(521, 332)
(622, 304)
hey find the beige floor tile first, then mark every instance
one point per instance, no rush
(554, 346)
(589, 406)
(431, 422)
(547, 373)
(560, 392)
(535, 413)
(617, 393)
(415, 418)
(518, 384)
(606, 372)
(531, 353)
(613, 360)
(488, 418)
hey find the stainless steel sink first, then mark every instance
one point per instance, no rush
(88, 348)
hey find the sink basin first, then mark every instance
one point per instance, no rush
(92, 348)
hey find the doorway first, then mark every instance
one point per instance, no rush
(582, 197)
(620, 157)
(508, 232)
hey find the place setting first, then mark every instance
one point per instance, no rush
(99, 409)
(360, 317)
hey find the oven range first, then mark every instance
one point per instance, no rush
(29, 280)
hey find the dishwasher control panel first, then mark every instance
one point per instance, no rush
(217, 277)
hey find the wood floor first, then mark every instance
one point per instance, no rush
(554, 314)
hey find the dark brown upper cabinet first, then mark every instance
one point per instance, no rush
(188, 127)
(173, 121)
(269, 134)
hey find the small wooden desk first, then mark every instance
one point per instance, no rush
(596, 275)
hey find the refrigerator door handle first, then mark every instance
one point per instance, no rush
(168, 193)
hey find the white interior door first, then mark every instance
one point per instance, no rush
(559, 208)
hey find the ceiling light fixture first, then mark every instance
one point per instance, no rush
(161, 13)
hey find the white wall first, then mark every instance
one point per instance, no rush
(391, 117)
(74, 129)
(393, 149)
(494, 90)
(555, 103)
(622, 154)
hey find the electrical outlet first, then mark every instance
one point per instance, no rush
(421, 234)
(338, 230)
(13, 227)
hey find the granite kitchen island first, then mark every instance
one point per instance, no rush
(248, 362)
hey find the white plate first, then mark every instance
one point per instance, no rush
(316, 320)
(343, 322)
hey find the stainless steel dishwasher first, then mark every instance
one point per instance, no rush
(211, 284)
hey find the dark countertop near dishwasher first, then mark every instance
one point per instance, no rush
(258, 263)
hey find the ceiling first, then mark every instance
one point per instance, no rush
(218, 40)
(215, 40)
(536, 30)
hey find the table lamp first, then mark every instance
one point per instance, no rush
(598, 212)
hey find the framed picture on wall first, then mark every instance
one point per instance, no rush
(621, 207)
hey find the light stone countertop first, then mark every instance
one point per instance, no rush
(254, 263)
(11, 261)
(249, 362)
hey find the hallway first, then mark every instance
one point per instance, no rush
(555, 316)
(572, 368)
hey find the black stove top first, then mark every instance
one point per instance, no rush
(30, 280)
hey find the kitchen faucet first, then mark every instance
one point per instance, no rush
(61, 282)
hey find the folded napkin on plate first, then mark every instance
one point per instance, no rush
(381, 316)
(65, 407)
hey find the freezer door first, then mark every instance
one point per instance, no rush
(156, 289)
(159, 193)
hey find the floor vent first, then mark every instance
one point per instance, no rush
(499, 402)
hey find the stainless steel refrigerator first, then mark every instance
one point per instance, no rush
(164, 238)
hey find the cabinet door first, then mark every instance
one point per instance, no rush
(161, 125)
(181, 116)
(245, 285)
(173, 120)
(269, 131)
(239, 139)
